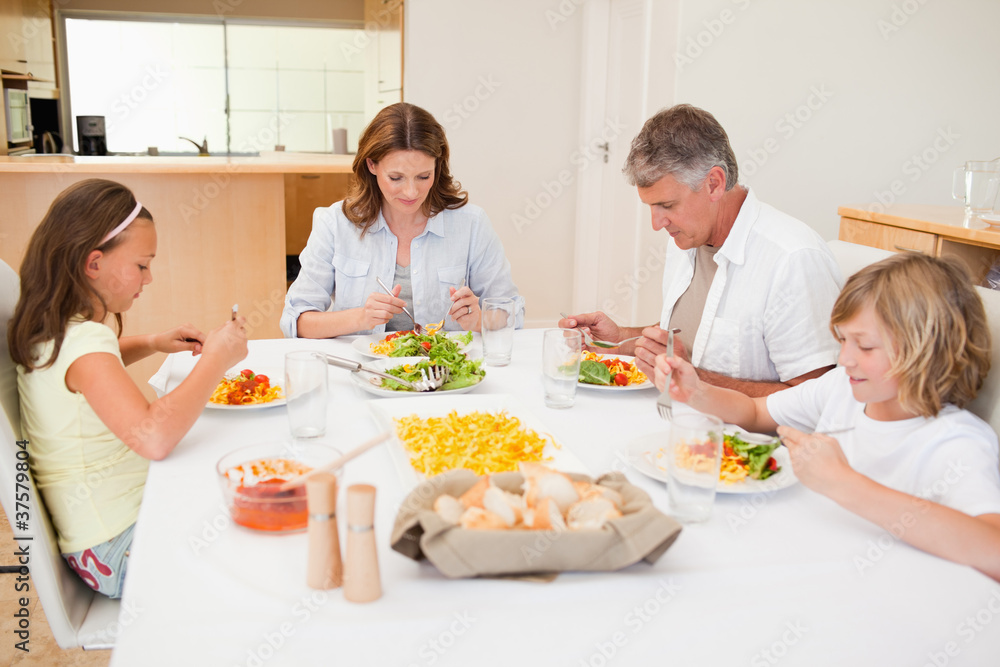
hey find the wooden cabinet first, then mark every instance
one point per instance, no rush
(938, 231)
(304, 193)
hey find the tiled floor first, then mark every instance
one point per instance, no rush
(43, 649)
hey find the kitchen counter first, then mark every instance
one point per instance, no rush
(224, 228)
(267, 163)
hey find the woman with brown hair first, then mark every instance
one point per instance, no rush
(406, 221)
(90, 430)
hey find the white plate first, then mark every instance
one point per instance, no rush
(992, 219)
(251, 406)
(373, 384)
(640, 454)
(439, 406)
(363, 345)
(606, 387)
(275, 378)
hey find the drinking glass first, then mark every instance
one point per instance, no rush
(498, 329)
(694, 455)
(976, 185)
(306, 390)
(561, 350)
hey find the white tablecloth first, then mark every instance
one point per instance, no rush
(784, 578)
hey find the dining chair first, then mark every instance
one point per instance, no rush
(852, 257)
(78, 616)
(986, 404)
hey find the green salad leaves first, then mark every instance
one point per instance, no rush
(760, 464)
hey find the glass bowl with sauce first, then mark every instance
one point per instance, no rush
(250, 478)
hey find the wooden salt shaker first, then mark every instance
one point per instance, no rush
(325, 569)
(361, 576)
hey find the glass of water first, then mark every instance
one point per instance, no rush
(561, 351)
(306, 390)
(694, 455)
(498, 329)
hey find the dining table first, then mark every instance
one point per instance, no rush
(782, 576)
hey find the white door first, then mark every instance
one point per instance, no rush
(628, 74)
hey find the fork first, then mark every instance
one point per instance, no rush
(663, 403)
(417, 329)
(607, 345)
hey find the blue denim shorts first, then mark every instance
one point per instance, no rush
(103, 567)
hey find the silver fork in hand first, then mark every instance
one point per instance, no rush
(664, 405)
(417, 329)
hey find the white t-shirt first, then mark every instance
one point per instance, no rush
(952, 459)
(767, 312)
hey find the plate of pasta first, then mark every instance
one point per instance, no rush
(606, 372)
(485, 433)
(647, 453)
(246, 390)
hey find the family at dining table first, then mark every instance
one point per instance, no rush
(771, 338)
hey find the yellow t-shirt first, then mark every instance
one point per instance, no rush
(90, 480)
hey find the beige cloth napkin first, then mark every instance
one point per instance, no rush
(642, 533)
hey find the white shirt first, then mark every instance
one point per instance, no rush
(951, 459)
(456, 246)
(767, 313)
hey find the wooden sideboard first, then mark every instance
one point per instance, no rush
(934, 230)
(222, 226)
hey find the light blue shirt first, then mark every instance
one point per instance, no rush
(340, 267)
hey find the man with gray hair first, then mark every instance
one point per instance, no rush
(749, 287)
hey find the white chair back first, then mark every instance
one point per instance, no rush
(76, 615)
(986, 404)
(851, 257)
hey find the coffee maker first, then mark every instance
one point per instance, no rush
(90, 135)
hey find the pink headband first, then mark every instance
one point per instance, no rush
(125, 223)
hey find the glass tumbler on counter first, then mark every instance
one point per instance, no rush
(499, 316)
(307, 391)
(561, 352)
(694, 454)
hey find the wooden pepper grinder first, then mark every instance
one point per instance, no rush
(325, 569)
(361, 577)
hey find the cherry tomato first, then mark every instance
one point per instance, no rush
(772, 464)
(426, 345)
(621, 380)
(247, 373)
(262, 379)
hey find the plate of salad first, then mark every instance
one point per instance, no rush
(752, 463)
(408, 344)
(611, 373)
(464, 376)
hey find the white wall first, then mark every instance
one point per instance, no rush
(887, 79)
(908, 91)
(504, 83)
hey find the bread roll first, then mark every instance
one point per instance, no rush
(507, 506)
(474, 496)
(450, 508)
(554, 485)
(476, 518)
(591, 514)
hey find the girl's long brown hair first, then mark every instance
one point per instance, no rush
(54, 286)
(401, 127)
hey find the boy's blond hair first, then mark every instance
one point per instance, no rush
(934, 324)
